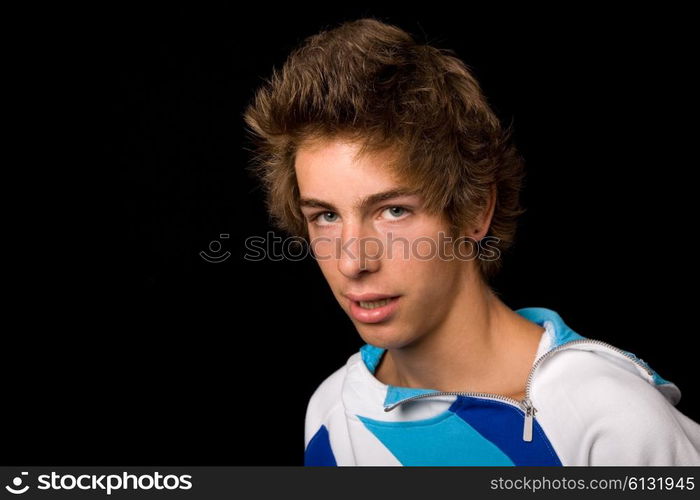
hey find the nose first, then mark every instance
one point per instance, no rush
(360, 251)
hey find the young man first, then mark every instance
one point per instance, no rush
(385, 155)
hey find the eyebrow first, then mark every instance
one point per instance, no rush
(363, 203)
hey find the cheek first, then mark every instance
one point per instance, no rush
(424, 248)
(431, 279)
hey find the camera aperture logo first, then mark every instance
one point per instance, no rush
(103, 482)
(216, 256)
(16, 487)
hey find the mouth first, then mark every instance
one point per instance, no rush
(373, 309)
(373, 304)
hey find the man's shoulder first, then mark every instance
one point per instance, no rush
(605, 394)
(593, 379)
(606, 411)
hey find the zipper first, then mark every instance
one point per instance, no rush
(526, 405)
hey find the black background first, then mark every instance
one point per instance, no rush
(131, 349)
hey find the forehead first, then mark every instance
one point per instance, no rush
(333, 168)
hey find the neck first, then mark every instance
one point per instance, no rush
(481, 346)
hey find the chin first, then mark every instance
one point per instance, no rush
(381, 335)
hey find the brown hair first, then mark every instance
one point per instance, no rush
(370, 82)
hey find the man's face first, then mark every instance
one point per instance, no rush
(386, 246)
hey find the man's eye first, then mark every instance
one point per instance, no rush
(395, 212)
(325, 218)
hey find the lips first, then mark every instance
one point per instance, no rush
(372, 307)
(368, 296)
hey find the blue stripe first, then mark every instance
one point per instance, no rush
(318, 451)
(445, 440)
(502, 424)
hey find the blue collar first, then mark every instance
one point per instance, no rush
(372, 355)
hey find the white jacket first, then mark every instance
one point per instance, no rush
(587, 403)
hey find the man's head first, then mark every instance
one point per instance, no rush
(388, 260)
(363, 109)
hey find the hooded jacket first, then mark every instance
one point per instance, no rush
(586, 403)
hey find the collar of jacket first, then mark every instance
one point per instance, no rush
(557, 334)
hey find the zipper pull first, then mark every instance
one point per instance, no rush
(529, 417)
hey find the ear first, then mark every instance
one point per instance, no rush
(483, 223)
